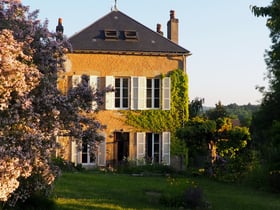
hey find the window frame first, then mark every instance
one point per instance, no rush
(122, 97)
(153, 98)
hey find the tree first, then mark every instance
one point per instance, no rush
(33, 112)
(218, 112)
(196, 107)
(268, 116)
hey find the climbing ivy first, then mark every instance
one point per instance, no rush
(166, 120)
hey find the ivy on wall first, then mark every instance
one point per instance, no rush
(166, 120)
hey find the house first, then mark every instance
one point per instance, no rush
(118, 51)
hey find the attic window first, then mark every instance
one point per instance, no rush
(111, 34)
(130, 35)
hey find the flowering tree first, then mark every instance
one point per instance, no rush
(32, 110)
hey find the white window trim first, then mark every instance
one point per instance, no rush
(121, 93)
(153, 93)
(165, 143)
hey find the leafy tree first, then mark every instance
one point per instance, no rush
(196, 107)
(32, 110)
(218, 112)
(268, 117)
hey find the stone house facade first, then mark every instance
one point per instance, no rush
(118, 51)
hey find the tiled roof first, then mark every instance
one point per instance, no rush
(117, 32)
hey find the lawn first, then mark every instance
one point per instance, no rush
(95, 190)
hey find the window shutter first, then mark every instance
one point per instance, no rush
(76, 79)
(93, 83)
(166, 93)
(110, 96)
(141, 147)
(138, 93)
(74, 152)
(102, 153)
(166, 148)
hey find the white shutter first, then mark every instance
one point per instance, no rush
(166, 148)
(110, 96)
(166, 93)
(74, 152)
(76, 79)
(93, 83)
(141, 148)
(102, 153)
(138, 93)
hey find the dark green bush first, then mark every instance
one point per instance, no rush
(132, 168)
(35, 202)
(274, 180)
(172, 201)
(193, 198)
(66, 165)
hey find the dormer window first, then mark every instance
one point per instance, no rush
(111, 34)
(130, 35)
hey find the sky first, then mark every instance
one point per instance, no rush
(226, 40)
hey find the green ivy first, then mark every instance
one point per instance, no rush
(166, 120)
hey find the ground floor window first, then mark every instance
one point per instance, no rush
(153, 148)
(87, 156)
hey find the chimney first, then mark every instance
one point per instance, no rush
(59, 29)
(173, 27)
(159, 29)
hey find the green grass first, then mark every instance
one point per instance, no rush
(89, 190)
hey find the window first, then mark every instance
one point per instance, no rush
(111, 34)
(130, 35)
(87, 156)
(153, 93)
(153, 148)
(138, 93)
(121, 93)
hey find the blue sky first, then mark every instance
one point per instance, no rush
(226, 41)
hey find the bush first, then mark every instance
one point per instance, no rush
(132, 168)
(35, 202)
(66, 165)
(274, 180)
(191, 198)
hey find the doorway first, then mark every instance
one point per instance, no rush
(122, 140)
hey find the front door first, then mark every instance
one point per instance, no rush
(122, 139)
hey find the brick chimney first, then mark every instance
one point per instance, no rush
(159, 29)
(59, 29)
(173, 27)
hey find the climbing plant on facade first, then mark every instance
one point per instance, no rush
(162, 120)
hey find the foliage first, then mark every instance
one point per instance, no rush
(164, 120)
(274, 180)
(196, 107)
(154, 169)
(218, 112)
(243, 113)
(218, 146)
(32, 110)
(266, 121)
(194, 198)
(197, 134)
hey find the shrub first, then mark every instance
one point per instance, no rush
(66, 165)
(274, 180)
(35, 202)
(171, 200)
(193, 198)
